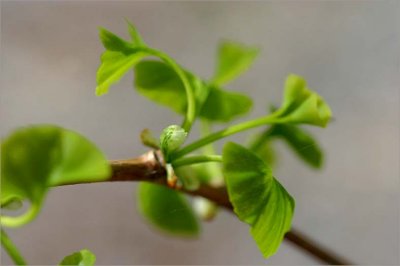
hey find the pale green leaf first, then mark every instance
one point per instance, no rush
(222, 105)
(159, 82)
(83, 257)
(261, 144)
(167, 210)
(114, 43)
(233, 60)
(302, 105)
(37, 157)
(136, 38)
(257, 197)
(113, 66)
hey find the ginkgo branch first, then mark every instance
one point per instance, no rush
(150, 168)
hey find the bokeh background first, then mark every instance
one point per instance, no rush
(347, 50)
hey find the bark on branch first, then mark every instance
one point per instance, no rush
(150, 168)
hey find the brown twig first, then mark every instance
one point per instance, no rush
(150, 167)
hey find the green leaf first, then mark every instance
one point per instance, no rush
(83, 257)
(114, 43)
(233, 60)
(302, 143)
(261, 145)
(222, 105)
(37, 157)
(301, 105)
(159, 82)
(167, 210)
(136, 38)
(113, 66)
(257, 197)
(119, 57)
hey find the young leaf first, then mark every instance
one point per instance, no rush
(148, 139)
(301, 105)
(83, 257)
(261, 144)
(257, 197)
(136, 38)
(114, 43)
(37, 157)
(167, 210)
(171, 139)
(113, 66)
(302, 143)
(222, 105)
(233, 60)
(159, 82)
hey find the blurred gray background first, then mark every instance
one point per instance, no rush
(347, 50)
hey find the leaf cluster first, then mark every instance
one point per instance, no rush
(246, 173)
(36, 158)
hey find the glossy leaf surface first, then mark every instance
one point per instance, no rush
(167, 210)
(257, 197)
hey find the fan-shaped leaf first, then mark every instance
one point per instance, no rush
(113, 66)
(222, 105)
(301, 105)
(167, 210)
(37, 157)
(257, 197)
(302, 143)
(114, 43)
(233, 60)
(159, 82)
